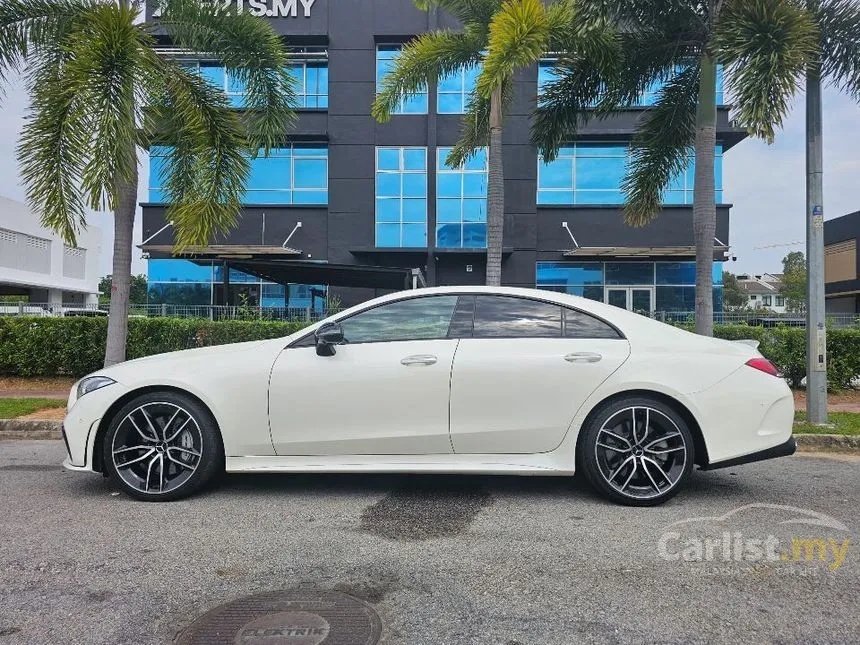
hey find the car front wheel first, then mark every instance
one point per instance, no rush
(636, 451)
(162, 446)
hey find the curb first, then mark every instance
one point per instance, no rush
(30, 429)
(11, 429)
(828, 443)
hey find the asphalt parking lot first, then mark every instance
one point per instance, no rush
(499, 560)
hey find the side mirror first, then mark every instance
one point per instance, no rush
(327, 337)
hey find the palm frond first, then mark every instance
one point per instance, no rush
(519, 34)
(468, 12)
(103, 71)
(421, 62)
(207, 163)
(30, 27)
(475, 129)
(839, 22)
(659, 148)
(53, 150)
(765, 46)
(253, 53)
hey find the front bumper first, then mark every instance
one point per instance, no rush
(782, 450)
(81, 425)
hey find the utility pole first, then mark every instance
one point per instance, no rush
(816, 332)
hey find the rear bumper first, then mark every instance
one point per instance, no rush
(782, 450)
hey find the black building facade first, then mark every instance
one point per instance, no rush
(563, 224)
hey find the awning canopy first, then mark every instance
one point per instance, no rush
(224, 251)
(338, 275)
(638, 251)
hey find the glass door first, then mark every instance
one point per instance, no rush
(617, 298)
(638, 299)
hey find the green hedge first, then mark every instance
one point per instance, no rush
(785, 347)
(76, 346)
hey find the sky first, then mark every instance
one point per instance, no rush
(765, 183)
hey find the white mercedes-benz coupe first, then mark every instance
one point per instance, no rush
(442, 380)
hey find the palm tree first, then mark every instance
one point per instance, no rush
(99, 90)
(763, 46)
(838, 62)
(501, 37)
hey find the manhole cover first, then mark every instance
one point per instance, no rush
(298, 617)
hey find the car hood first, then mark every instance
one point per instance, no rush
(184, 361)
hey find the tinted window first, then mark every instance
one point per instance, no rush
(580, 325)
(415, 319)
(507, 317)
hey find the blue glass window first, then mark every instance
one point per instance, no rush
(592, 173)
(401, 197)
(629, 273)
(386, 56)
(583, 279)
(178, 271)
(311, 78)
(454, 90)
(297, 174)
(461, 201)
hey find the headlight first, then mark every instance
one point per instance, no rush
(93, 383)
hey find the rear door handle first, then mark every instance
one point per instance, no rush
(419, 359)
(583, 357)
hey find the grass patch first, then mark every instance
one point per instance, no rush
(845, 423)
(11, 408)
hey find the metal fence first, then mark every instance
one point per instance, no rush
(307, 314)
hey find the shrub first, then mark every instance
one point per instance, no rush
(75, 346)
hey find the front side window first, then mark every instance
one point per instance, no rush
(386, 58)
(401, 197)
(461, 201)
(511, 317)
(426, 318)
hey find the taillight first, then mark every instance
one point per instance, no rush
(764, 365)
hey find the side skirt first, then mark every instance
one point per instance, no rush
(550, 463)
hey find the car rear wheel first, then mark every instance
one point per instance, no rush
(162, 446)
(637, 451)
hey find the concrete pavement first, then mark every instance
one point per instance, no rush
(499, 560)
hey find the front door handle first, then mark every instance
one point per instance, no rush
(583, 357)
(419, 359)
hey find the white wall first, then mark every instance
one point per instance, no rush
(17, 217)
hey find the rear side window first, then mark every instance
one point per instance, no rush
(511, 317)
(581, 325)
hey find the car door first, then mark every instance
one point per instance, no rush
(529, 365)
(384, 391)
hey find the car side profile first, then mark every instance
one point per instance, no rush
(440, 380)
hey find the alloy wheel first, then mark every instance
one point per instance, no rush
(641, 453)
(157, 447)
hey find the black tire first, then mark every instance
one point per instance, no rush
(659, 468)
(139, 460)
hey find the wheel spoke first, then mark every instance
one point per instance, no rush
(648, 473)
(185, 450)
(618, 437)
(629, 477)
(145, 436)
(615, 448)
(671, 435)
(119, 451)
(623, 463)
(167, 425)
(633, 414)
(176, 434)
(161, 472)
(149, 471)
(666, 451)
(149, 423)
(126, 464)
(659, 468)
(179, 462)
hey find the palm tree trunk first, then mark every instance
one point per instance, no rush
(704, 197)
(126, 206)
(495, 193)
